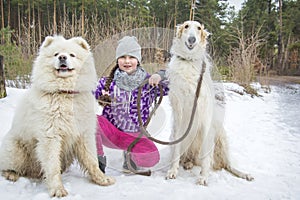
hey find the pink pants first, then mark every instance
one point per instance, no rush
(143, 154)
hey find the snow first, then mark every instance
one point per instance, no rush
(264, 139)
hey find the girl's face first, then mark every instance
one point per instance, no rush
(128, 64)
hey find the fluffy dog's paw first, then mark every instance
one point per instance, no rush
(202, 181)
(172, 174)
(58, 192)
(105, 181)
(10, 175)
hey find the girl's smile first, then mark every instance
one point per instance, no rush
(127, 64)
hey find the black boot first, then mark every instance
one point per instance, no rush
(102, 163)
(125, 165)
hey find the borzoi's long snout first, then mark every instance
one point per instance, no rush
(192, 39)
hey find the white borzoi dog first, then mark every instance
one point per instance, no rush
(206, 143)
(55, 122)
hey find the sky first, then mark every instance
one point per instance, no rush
(236, 3)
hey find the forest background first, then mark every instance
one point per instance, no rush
(262, 38)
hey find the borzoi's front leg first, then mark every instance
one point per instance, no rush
(205, 168)
(177, 131)
(205, 158)
(173, 171)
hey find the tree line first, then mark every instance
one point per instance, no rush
(263, 35)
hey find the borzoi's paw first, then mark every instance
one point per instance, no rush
(188, 165)
(202, 181)
(58, 192)
(172, 174)
(10, 175)
(248, 177)
(105, 181)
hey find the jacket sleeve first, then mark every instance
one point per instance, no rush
(162, 74)
(164, 84)
(98, 92)
(165, 88)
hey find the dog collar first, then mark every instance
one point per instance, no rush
(182, 58)
(68, 92)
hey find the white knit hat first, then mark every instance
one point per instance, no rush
(129, 46)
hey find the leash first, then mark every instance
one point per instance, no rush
(143, 130)
(143, 127)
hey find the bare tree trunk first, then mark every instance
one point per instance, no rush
(2, 79)
(8, 13)
(82, 18)
(95, 6)
(175, 14)
(54, 17)
(2, 21)
(285, 55)
(33, 28)
(48, 19)
(64, 23)
(280, 45)
(270, 54)
(19, 25)
(192, 10)
(40, 25)
(2, 14)
(72, 24)
(29, 24)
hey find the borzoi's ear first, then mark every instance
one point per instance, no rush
(203, 34)
(179, 30)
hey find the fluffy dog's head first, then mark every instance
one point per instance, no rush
(190, 40)
(64, 64)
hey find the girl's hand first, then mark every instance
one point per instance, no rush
(154, 79)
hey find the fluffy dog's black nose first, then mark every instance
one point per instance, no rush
(192, 39)
(62, 58)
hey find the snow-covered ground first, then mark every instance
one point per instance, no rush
(264, 139)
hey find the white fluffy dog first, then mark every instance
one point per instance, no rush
(206, 144)
(55, 122)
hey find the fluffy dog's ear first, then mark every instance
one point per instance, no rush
(48, 40)
(82, 42)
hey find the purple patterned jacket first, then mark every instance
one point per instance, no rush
(123, 111)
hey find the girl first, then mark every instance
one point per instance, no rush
(118, 124)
